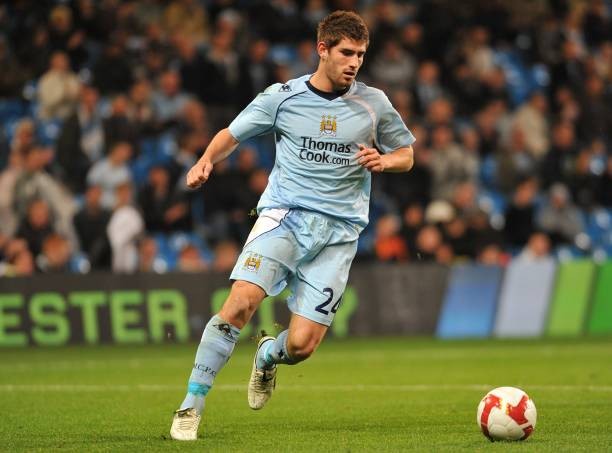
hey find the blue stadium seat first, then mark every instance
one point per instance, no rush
(488, 171)
(599, 226)
(492, 201)
(568, 252)
(11, 109)
(48, 131)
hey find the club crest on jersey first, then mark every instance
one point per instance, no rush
(252, 262)
(328, 126)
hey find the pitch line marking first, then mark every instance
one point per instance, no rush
(8, 388)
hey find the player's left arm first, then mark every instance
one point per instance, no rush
(391, 149)
(399, 160)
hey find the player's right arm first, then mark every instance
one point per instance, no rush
(256, 119)
(221, 146)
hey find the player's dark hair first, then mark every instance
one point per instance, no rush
(342, 24)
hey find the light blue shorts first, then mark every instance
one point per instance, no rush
(308, 251)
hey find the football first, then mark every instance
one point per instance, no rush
(506, 413)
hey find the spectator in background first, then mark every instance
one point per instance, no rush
(411, 38)
(33, 182)
(514, 162)
(259, 70)
(188, 17)
(147, 255)
(595, 120)
(531, 120)
(65, 37)
(482, 232)
(90, 224)
(165, 209)
(306, 59)
(393, 68)
(555, 166)
(58, 89)
(605, 194)
(125, 227)
(36, 226)
(427, 87)
(13, 76)
(570, 71)
(169, 100)
(34, 51)
(190, 260)
(15, 258)
(450, 165)
(412, 221)
(491, 255)
(55, 256)
(457, 236)
(559, 217)
(428, 241)
(520, 213)
(112, 73)
(388, 242)
(119, 126)
(440, 112)
(226, 253)
(583, 182)
(246, 201)
(23, 139)
(81, 140)
(191, 65)
(142, 110)
(111, 172)
(193, 118)
(477, 52)
(221, 79)
(538, 247)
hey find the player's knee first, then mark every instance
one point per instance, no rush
(242, 302)
(301, 349)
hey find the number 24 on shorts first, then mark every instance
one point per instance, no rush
(321, 308)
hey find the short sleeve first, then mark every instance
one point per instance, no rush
(258, 117)
(391, 132)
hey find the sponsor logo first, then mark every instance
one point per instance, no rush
(253, 262)
(203, 369)
(224, 327)
(323, 152)
(328, 126)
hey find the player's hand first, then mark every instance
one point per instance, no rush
(370, 159)
(199, 174)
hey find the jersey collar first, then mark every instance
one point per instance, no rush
(330, 96)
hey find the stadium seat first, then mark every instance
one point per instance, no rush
(11, 109)
(599, 226)
(488, 172)
(48, 131)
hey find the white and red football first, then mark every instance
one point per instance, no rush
(506, 413)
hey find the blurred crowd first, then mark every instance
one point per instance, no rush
(104, 106)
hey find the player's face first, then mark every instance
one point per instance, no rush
(342, 62)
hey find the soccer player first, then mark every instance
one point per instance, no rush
(331, 134)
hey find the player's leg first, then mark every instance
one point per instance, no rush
(317, 288)
(218, 340)
(293, 345)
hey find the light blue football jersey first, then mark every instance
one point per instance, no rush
(316, 142)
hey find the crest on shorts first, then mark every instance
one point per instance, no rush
(328, 125)
(252, 262)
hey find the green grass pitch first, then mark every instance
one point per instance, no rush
(392, 394)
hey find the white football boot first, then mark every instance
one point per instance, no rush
(185, 424)
(262, 382)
